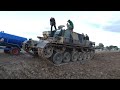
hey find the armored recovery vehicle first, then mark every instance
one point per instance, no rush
(61, 46)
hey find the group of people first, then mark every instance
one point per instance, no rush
(70, 26)
(85, 37)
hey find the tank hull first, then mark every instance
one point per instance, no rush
(63, 46)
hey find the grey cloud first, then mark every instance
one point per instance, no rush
(113, 27)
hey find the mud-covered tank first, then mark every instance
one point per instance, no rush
(61, 46)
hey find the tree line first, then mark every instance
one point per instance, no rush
(102, 47)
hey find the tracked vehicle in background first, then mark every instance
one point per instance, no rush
(61, 46)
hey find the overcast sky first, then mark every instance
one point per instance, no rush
(101, 26)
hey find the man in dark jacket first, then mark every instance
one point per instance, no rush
(52, 23)
(87, 37)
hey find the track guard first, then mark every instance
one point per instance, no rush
(42, 43)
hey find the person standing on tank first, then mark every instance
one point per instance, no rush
(70, 25)
(52, 23)
(87, 37)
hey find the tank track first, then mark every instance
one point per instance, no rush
(58, 53)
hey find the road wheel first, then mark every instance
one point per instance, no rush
(57, 58)
(88, 55)
(80, 56)
(66, 57)
(84, 56)
(74, 56)
(48, 51)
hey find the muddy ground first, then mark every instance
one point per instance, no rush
(104, 65)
